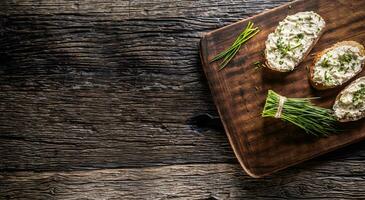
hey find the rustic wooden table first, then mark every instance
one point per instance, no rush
(97, 101)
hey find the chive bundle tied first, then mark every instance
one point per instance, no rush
(229, 53)
(301, 112)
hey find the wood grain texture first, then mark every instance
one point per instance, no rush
(264, 145)
(207, 181)
(112, 85)
(87, 84)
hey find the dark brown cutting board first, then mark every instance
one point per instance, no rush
(264, 145)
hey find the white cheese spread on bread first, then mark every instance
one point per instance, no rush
(350, 103)
(292, 40)
(338, 66)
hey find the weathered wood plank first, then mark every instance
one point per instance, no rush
(89, 84)
(336, 180)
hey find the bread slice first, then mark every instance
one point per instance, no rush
(350, 102)
(293, 40)
(318, 82)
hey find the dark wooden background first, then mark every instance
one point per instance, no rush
(97, 100)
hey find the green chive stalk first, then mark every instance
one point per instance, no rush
(229, 53)
(312, 119)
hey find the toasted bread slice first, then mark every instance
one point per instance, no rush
(334, 63)
(350, 102)
(292, 40)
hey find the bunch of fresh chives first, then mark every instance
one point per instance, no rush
(229, 53)
(301, 112)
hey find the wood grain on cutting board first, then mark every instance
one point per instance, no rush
(264, 145)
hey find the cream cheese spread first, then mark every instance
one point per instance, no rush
(338, 65)
(293, 37)
(351, 103)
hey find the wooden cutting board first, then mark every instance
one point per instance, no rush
(264, 145)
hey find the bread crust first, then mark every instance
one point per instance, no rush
(303, 57)
(320, 86)
(341, 93)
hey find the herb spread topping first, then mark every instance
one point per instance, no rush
(338, 65)
(292, 39)
(351, 103)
